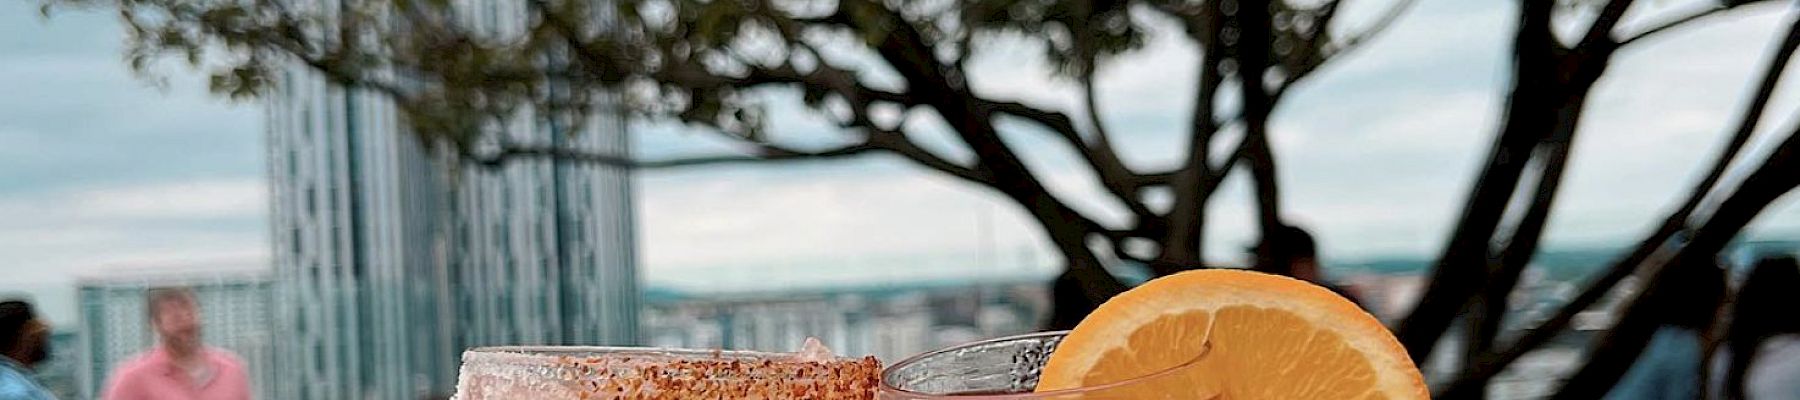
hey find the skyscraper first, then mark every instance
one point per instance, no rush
(390, 258)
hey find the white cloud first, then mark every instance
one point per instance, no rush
(55, 235)
(191, 200)
(204, 199)
(767, 216)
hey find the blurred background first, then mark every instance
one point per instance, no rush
(325, 241)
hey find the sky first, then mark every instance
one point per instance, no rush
(103, 171)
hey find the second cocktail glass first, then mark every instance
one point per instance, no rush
(1008, 369)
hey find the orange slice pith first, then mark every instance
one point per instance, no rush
(1274, 338)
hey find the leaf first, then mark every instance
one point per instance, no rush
(194, 54)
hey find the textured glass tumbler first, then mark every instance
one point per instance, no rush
(493, 373)
(1008, 368)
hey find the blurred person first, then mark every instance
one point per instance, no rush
(1760, 358)
(24, 343)
(1291, 251)
(1670, 364)
(180, 367)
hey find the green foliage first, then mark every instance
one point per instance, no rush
(1077, 34)
(694, 61)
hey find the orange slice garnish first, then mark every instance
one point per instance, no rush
(1270, 337)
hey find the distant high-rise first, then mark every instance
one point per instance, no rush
(391, 258)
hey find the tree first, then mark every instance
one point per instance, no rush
(1474, 277)
(707, 62)
(704, 62)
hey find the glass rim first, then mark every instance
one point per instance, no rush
(509, 372)
(1205, 350)
(555, 353)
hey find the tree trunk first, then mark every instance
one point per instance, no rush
(1084, 283)
(1253, 56)
(1181, 247)
(1460, 271)
(1488, 310)
(1069, 300)
(1183, 244)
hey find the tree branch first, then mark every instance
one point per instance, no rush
(898, 144)
(1116, 241)
(1600, 32)
(1489, 308)
(1216, 175)
(906, 51)
(1475, 379)
(762, 153)
(1532, 105)
(1257, 32)
(1613, 352)
(1114, 176)
(1182, 246)
(822, 76)
(1752, 118)
(1711, 11)
(1356, 41)
(1349, 45)
(882, 141)
(1684, 20)
(345, 77)
(1117, 179)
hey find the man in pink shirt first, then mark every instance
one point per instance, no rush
(181, 367)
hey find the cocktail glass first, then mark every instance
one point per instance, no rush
(1008, 368)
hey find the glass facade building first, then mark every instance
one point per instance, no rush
(390, 257)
